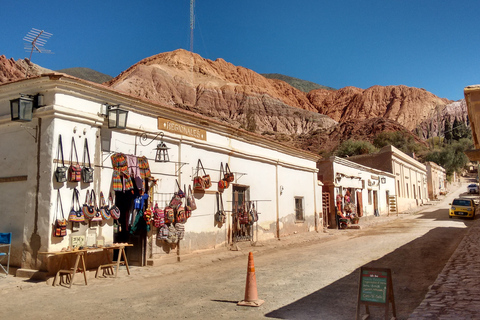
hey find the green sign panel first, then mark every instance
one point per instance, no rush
(373, 286)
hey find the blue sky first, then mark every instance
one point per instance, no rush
(430, 44)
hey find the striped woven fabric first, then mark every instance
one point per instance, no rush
(119, 162)
(127, 181)
(144, 167)
(116, 181)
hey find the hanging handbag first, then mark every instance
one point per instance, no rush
(180, 228)
(162, 233)
(228, 176)
(169, 215)
(180, 216)
(191, 205)
(76, 213)
(59, 225)
(104, 209)
(243, 215)
(88, 209)
(114, 210)
(172, 234)
(220, 216)
(158, 216)
(61, 171)
(198, 181)
(87, 172)
(74, 171)
(207, 180)
(222, 184)
(93, 199)
(180, 192)
(253, 213)
(201, 182)
(176, 201)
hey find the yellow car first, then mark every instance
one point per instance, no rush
(461, 207)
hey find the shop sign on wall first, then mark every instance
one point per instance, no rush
(178, 128)
(77, 241)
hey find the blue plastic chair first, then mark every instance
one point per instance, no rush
(5, 247)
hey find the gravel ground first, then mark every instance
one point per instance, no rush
(305, 276)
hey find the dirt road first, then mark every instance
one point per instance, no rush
(312, 276)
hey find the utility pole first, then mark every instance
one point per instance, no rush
(192, 22)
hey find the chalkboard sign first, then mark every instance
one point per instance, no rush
(375, 288)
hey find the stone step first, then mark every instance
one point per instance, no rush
(31, 274)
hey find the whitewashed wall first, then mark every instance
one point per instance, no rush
(358, 177)
(77, 113)
(17, 198)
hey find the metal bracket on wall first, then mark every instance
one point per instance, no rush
(238, 175)
(36, 131)
(180, 165)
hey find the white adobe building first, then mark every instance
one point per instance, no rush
(281, 181)
(410, 175)
(370, 189)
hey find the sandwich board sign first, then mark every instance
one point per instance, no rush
(375, 288)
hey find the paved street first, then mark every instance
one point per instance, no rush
(456, 292)
(309, 276)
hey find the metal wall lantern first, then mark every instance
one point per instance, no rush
(162, 152)
(21, 109)
(117, 117)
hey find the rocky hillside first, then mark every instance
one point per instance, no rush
(406, 105)
(87, 74)
(317, 120)
(223, 91)
(434, 125)
(302, 85)
(327, 141)
(11, 70)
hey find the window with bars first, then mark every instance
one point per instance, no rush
(299, 214)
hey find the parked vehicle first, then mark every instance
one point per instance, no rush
(461, 207)
(473, 188)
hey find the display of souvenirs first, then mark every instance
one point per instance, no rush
(129, 169)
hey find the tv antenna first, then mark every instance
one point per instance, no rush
(35, 40)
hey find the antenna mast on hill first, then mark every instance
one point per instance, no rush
(36, 39)
(192, 22)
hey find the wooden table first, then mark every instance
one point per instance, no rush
(69, 272)
(79, 266)
(108, 267)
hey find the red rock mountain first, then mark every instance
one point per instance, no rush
(316, 120)
(221, 90)
(406, 105)
(11, 70)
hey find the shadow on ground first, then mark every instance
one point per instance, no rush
(414, 267)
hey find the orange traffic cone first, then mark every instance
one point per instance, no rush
(251, 296)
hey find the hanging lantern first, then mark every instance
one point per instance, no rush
(117, 117)
(162, 153)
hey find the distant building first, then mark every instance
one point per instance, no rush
(472, 98)
(370, 189)
(410, 175)
(436, 180)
